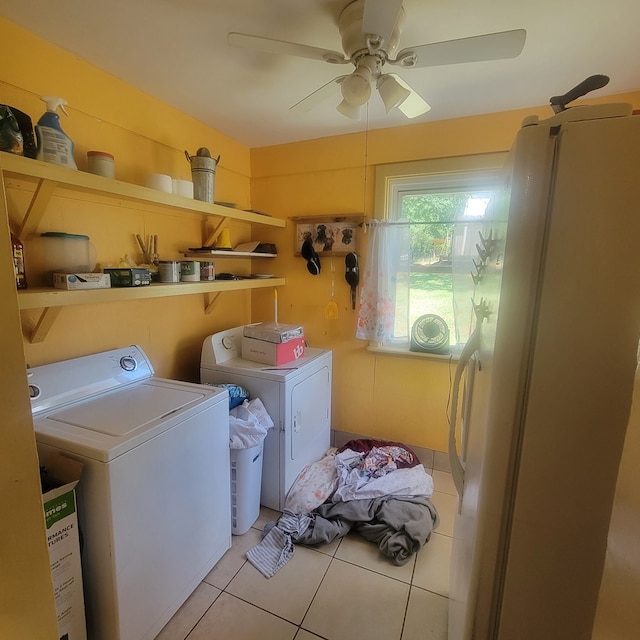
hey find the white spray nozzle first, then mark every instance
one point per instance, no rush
(53, 102)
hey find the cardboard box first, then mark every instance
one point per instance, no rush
(273, 331)
(81, 281)
(270, 352)
(129, 277)
(63, 540)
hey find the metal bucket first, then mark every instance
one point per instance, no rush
(203, 173)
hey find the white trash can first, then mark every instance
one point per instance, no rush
(246, 481)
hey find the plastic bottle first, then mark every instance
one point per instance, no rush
(53, 143)
(18, 262)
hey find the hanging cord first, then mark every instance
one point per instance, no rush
(366, 160)
(333, 278)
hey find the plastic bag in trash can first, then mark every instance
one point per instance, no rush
(248, 424)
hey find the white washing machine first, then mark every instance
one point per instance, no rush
(153, 499)
(297, 396)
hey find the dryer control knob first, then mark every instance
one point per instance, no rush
(128, 363)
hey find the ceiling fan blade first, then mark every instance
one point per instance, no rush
(318, 96)
(269, 45)
(491, 46)
(414, 105)
(380, 18)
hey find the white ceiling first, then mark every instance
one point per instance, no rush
(176, 50)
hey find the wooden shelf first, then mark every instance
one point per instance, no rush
(51, 301)
(50, 177)
(205, 255)
(40, 297)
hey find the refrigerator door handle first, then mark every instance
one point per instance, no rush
(457, 468)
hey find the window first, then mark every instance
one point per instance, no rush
(441, 205)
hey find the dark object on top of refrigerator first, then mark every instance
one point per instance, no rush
(559, 103)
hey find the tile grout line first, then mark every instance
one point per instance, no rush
(255, 606)
(315, 594)
(199, 620)
(333, 558)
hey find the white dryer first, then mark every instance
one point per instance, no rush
(153, 499)
(297, 396)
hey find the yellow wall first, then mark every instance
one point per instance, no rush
(145, 136)
(376, 395)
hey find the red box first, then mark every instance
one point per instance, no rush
(271, 352)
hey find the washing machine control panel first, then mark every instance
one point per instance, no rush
(128, 363)
(34, 389)
(59, 383)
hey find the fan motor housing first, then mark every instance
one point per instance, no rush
(354, 40)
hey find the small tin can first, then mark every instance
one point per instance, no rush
(207, 271)
(101, 163)
(190, 271)
(169, 271)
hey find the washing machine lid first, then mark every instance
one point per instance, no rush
(128, 411)
(106, 426)
(282, 373)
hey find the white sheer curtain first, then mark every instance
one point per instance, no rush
(385, 282)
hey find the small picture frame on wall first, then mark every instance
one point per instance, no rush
(330, 236)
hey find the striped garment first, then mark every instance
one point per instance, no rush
(276, 548)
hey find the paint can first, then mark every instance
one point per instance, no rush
(190, 271)
(169, 271)
(207, 271)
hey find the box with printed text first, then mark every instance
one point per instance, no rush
(63, 540)
(71, 281)
(271, 352)
(273, 331)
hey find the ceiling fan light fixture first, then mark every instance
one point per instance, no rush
(393, 94)
(370, 31)
(356, 88)
(350, 110)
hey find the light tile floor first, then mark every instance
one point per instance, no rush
(346, 590)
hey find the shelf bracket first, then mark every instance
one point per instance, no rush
(45, 322)
(37, 207)
(211, 301)
(213, 236)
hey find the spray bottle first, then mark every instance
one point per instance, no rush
(53, 143)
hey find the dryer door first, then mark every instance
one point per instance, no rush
(310, 431)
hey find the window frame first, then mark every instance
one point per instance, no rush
(395, 179)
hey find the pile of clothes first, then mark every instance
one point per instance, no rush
(374, 487)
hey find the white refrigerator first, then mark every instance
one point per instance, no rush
(542, 393)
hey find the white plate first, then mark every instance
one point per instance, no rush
(262, 275)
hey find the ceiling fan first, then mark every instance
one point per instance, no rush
(370, 32)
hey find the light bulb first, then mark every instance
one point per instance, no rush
(356, 88)
(392, 92)
(349, 110)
